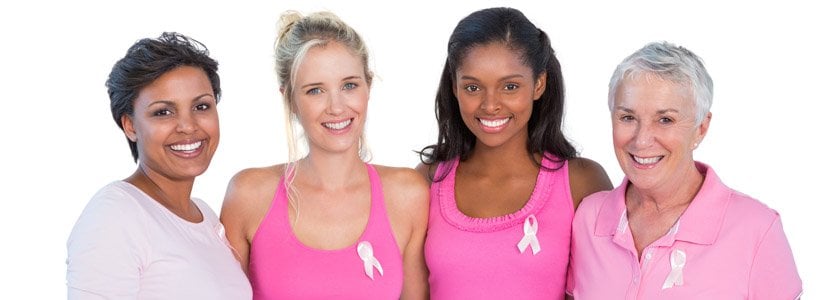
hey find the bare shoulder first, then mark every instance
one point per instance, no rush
(404, 188)
(251, 187)
(404, 179)
(580, 167)
(426, 171)
(586, 177)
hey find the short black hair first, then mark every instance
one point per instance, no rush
(147, 60)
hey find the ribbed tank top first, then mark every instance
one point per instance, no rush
(479, 258)
(282, 267)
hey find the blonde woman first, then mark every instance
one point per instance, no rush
(327, 225)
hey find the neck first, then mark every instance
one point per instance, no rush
(173, 194)
(505, 159)
(331, 171)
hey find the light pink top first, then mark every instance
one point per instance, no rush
(726, 245)
(282, 267)
(126, 245)
(480, 258)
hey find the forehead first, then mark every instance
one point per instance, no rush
(649, 90)
(180, 82)
(492, 59)
(329, 61)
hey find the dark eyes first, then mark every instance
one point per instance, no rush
(472, 88)
(203, 106)
(162, 112)
(665, 120)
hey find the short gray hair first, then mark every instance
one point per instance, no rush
(669, 62)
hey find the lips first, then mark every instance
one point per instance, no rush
(647, 160)
(494, 123)
(338, 125)
(186, 147)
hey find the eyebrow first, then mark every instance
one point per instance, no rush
(662, 111)
(467, 77)
(347, 78)
(203, 95)
(351, 78)
(173, 103)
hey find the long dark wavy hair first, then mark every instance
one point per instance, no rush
(510, 27)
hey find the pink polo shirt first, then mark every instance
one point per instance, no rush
(726, 245)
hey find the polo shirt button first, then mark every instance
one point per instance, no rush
(648, 255)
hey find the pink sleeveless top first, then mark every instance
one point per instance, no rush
(282, 267)
(493, 258)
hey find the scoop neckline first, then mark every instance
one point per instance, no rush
(296, 240)
(166, 211)
(454, 216)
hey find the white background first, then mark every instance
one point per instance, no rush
(60, 145)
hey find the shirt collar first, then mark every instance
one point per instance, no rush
(700, 223)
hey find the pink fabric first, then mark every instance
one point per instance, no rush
(478, 258)
(735, 249)
(281, 267)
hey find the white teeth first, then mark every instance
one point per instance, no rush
(186, 147)
(338, 125)
(494, 123)
(647, 161)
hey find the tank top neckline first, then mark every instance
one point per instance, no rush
(454, 216)
(375, 207)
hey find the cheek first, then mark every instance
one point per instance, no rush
(303, 110)
(210, 124)
(620, 134)
(147, 131)
(467, 110)
(359, 102)
(683, 141)
(467, 105)
(525, 105)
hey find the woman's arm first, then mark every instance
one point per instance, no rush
(773, 274)
(416, 285)
(246, 202)
(407, 195)
(106, 250)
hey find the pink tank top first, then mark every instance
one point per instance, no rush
(493, 258)
(281, 267)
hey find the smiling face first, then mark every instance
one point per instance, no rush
(175, 124)
(655, 132)
(330, 98)
(495, 92)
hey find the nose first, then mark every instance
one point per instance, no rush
(335, 104)
(186, 123)
(490, 103)
(644, 136)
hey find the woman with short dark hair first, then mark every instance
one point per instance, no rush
(144, 237)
